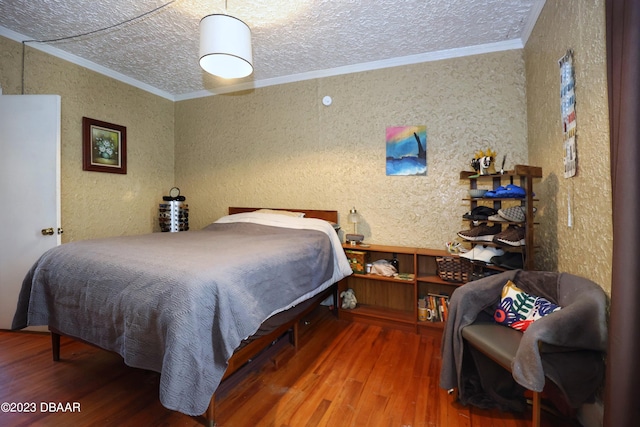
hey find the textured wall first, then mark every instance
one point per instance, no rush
(586, 247)
(280, 147)
(98, 204)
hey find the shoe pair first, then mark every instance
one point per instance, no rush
(513, 235)
(510, 260)
(512, 214)
(481, 233)
(483, 253)
(480, 213)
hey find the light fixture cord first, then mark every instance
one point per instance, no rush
(105, 28)
(90, 32)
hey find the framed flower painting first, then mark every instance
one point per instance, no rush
(104, 146)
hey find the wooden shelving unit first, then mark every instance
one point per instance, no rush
(391, 302)
(523, 176)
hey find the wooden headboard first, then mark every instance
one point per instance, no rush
(308, 213)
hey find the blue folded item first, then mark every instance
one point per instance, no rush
(494, 193)
(510, 191)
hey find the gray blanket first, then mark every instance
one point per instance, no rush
(580, 325)
(177, 303)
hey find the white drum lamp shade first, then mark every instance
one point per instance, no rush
(225, 46)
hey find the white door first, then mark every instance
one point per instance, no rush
(30, 178)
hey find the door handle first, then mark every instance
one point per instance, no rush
(47, 231)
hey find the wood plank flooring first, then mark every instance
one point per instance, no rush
(344, 374)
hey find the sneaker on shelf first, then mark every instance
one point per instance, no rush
(481, 233)
(514, 213)
(487, 253)
(483, 253)
(480, 213)
(473, 253)
(513, 236)
(510, 261)
(496, 218)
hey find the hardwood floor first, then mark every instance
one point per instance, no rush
(344, 374)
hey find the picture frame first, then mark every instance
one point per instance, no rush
(104, 146)
(406, 149)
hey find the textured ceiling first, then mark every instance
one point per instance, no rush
(292, 39)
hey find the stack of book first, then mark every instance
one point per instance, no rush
(437, 307)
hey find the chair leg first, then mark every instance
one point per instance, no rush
(210, 415)
(536, 409)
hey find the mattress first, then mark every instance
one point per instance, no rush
(181, 303)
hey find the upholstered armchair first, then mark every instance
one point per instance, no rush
(565, 346)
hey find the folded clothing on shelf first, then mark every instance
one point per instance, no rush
(506, 192)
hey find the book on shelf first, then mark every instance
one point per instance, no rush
(437, 306)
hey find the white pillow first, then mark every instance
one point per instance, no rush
(279, 212)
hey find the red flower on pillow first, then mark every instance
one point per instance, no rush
(522, 325)
(505, 312)
(500, 315)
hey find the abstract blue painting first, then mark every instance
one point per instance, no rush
(406, 150)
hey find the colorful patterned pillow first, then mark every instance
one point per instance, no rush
(518, 309)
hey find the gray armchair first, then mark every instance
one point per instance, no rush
(566, 347)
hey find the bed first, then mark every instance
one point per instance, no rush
(194, 305)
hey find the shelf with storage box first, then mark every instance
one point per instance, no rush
(393, 301)
(521, 176)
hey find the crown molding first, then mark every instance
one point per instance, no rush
(536, 10)
(358, 68)
(74, 59)
(251, 85)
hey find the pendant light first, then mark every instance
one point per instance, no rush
(225, 46)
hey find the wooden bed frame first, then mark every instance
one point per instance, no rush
(331, 216)
(257, 345)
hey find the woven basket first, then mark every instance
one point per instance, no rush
(455, 269)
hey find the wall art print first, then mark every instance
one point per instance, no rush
(406, 150)
(568, 109)
(104, 146)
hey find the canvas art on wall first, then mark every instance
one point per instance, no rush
(104, 146)
(406, 150)
(568, 108)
